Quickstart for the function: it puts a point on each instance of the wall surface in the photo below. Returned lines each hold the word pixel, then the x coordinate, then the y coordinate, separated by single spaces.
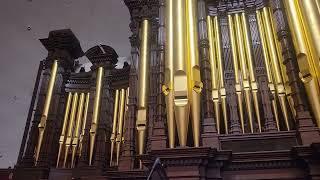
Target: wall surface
pixel 22 23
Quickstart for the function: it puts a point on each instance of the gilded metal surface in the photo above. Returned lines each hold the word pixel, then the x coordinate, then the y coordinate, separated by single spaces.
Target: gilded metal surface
pixel 114 125
pixel 222 90
pixel 243 66
pixel 168 87
pixel 272 49
pixel 214 70
pixel 143 85
pixel 44 116
pixel 96 110
pixel 311 13
pixel 76 131
pixel 254 84
pixel 64 126
pixel 267 66
pixel 195 84
pixel 70 128
pixel 180 73
pixel 303 38
pixel 236 69
pixel 84 121
pixel 121 120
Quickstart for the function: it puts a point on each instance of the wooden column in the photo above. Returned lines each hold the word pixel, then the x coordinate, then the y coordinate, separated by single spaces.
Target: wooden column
pixel 209 135
pixel 158 135
pixel 308 133
pixel 128 148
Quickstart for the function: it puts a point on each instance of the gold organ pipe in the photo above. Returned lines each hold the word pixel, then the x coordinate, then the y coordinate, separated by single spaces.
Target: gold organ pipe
pixel 311 12
pixel 96 109
pixel 64 127
pixel 243 65
pixel 214 72
pixel 195 84
pixel 76 131
pixel 71 124
pixel 84 121
pixel 275 64
pixel 44 116
pixel 223 94
pixel 181 96
pixel 236 70
pixel 282 97
pixel 114 125
pixel 254 84
pixel 267 66
pixel 121 119
pixel 168 87
pixel 143 85
pixel 306 55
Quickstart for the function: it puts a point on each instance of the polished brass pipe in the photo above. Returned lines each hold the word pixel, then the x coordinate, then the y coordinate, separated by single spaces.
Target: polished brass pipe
pixel 267 66
pixel 214 71
pixel 64 126
pixel 70 128
pixel 121 119
pixel 254 84
pixel 282 97
pixel 114 125
pixel 76 131
pixel 195 84
pixel 306 55
pixel 311 13
pixel 180 73
pixel 275 64
pixel 236 70
pixel 143 85
pixel 243 66
pixel 223 94
pixel 96 110
pixel 47 102
pixel 168 84
pixel 84 121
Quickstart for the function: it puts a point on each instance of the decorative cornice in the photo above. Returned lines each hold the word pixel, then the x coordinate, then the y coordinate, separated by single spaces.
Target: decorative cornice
pixel 102 55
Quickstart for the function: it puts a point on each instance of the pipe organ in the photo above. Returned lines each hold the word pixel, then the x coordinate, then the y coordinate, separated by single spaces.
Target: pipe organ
pixel 120 110
pixel 183 82
pixel 218 86
pixel 73 128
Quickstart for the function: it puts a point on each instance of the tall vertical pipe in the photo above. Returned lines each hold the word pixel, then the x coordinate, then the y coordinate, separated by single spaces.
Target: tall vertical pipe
pixel 96 111
pixel 143 85
pixel 70 128
pixel 236 69
pixel 76 131
pixel 254 84
pixel 64 126
pixel 44 116
pixel 214 70
pixel 311 12
pixel 275 64
pixel 267 65
pixel 84 121
pixel 114 125
pixel 223 93
pixel 306 55
pixel 168 87
pixel 195 84
pixel 121 119
pixel 180 74
pixel 244 69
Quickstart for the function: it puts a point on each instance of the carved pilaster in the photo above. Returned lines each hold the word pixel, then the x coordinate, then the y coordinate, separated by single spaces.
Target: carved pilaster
pixel 307 131
pixel 128 149
pixel 158 136
pixel 209 132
